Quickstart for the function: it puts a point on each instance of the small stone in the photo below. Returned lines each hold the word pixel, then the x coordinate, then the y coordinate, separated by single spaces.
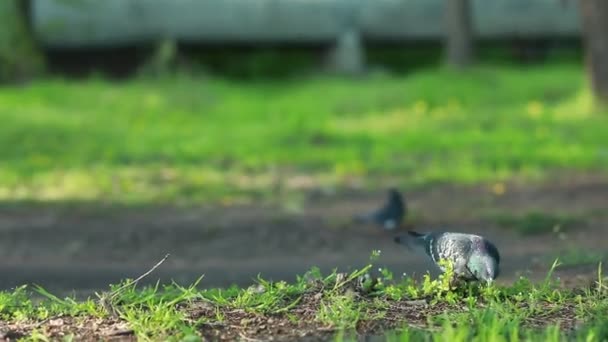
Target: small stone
pixel 56 322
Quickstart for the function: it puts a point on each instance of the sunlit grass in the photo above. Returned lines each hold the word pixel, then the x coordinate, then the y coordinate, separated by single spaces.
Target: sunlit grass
pixel 578 256
pixel 186 139
pixel 317 304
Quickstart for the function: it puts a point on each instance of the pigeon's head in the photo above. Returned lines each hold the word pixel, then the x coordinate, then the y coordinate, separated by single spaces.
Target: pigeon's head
pixel 483 266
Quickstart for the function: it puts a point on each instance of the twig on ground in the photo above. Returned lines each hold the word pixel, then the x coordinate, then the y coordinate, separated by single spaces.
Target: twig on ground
pixel 121 332
pixel 106 300
pixel 134 282
pixel 41 323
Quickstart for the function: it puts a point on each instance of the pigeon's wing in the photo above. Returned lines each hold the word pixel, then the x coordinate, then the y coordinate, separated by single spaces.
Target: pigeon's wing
pixel 453 247
pixel 385 216
pixel 377 216
pixel 389 215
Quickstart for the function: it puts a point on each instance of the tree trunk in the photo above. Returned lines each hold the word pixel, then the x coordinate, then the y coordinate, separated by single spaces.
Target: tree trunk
pixel 20 58
pixel 347 55
pixel 458 33
pixel 594 15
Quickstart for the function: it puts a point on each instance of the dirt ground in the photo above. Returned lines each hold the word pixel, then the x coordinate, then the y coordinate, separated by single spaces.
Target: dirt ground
pixel 82 248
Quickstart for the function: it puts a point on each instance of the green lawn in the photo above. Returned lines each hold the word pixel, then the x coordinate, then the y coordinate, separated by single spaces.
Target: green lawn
pixel 318 306
pixel 184 139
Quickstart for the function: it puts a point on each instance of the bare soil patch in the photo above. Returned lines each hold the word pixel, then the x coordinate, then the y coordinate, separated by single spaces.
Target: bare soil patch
pixel 85 247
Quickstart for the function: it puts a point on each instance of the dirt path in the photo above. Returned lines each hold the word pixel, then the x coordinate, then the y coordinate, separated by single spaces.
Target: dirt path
pixel 85 248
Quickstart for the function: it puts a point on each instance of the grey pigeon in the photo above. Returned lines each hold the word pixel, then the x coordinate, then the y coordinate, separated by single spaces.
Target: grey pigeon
pixel 473 256
pixel 390 215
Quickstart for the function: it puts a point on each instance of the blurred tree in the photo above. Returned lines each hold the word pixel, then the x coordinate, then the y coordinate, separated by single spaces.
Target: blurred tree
pixel 163 60
pixel 594 15
pixel 19 56
pixel 458 33
pixel 347 56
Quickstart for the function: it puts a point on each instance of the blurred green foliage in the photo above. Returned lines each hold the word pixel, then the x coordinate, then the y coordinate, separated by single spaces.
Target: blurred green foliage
pixel 179 138
pixel 278 62
pixel 19 57
pixel 258 63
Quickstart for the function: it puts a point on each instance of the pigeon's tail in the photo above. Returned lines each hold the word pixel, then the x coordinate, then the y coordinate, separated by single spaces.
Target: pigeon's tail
pixel 412 240
pixel 415 234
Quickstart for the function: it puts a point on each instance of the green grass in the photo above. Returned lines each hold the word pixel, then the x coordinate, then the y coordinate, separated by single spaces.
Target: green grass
pixel 579 256
pixel 185 139
pixel 334 304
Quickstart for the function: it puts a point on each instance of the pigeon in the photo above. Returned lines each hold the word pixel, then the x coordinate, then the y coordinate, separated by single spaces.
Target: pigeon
pixel 473 257
pixel 390 215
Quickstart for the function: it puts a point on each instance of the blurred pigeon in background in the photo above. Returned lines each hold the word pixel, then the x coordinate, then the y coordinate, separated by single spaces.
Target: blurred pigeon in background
pixel 473 257
pixel 390 215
